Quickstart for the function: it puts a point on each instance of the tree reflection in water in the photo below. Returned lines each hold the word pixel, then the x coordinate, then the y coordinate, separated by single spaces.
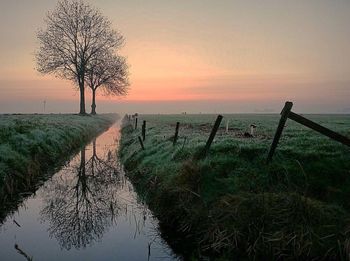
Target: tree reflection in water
pixel 83 202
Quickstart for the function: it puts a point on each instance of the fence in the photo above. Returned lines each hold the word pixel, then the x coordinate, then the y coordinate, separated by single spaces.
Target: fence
pixel 206 147
pixel 285 115
pixel 288 114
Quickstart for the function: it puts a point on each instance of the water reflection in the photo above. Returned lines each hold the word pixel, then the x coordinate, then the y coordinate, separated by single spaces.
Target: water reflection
pixel 89 209
pixel 82 202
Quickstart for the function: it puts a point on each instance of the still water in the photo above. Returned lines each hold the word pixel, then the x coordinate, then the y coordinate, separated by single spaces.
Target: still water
pixel 88 210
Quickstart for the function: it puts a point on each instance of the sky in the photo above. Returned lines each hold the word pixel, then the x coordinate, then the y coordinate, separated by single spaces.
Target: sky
pixel 198 56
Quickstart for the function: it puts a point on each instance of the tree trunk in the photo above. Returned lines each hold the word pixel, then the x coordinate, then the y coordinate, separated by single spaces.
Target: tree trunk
pixel 82 179
pixel 93 103
pixel 82 97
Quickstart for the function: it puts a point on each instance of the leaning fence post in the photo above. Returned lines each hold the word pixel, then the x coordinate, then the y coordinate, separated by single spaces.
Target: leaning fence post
pixel 141 143
pixel 284 116
pixel 176 133
pixel 144 130
pixel 212 135
pixel 135 123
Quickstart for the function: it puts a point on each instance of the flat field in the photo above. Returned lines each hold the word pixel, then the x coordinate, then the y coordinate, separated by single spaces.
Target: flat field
pixel 233 203
pixel 23 137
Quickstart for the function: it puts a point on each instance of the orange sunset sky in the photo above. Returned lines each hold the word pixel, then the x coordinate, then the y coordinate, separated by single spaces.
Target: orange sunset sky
pixel 196 56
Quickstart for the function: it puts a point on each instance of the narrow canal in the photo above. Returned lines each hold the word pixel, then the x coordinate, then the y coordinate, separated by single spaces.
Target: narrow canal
pixel 88 210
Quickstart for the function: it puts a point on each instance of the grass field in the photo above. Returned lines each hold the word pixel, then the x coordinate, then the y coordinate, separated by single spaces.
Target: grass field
pixel 31 144
pixel 232 203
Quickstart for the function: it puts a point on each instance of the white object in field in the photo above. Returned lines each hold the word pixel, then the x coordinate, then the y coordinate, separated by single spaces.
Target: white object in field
pixel 227 122
pixel 252 129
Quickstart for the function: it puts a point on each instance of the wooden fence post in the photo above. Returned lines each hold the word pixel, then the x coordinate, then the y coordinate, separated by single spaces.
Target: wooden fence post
pixel 176 133
pixel 317 127
pixel 144 130
pixel 135 123
pixel 183 144
pixel 284 116
pixel 212 135
pixel 141 143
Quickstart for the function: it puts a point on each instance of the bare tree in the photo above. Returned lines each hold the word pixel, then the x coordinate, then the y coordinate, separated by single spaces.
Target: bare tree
pixel 110 72
pixel 74 34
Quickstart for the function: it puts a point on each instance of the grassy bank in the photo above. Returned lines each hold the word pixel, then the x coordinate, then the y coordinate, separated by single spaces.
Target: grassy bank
pixel 231 204
pixel 33 144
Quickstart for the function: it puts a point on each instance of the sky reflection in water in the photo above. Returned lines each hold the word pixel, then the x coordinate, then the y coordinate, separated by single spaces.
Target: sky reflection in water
pixel 87 210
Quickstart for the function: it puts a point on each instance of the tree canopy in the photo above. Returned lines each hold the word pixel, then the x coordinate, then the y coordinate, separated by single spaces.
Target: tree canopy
pixel 109 72
pixel 75 33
